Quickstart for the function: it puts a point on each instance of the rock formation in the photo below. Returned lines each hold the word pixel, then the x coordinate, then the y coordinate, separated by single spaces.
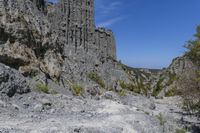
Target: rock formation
pixel 12 82
pixel 50 52
pixel 60 40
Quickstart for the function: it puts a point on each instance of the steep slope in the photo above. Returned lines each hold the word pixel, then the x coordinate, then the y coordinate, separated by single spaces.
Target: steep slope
pixel 167 80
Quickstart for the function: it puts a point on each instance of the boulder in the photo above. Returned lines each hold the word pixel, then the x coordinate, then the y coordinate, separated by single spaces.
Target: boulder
pixel 12 82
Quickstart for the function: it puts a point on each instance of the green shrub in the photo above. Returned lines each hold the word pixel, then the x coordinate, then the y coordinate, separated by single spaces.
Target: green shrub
pixel 198 76
pixel 180 131
pixel 189 81
pixel 42 87
pixel 147 113
pixel 122 93
pixel 130 87
pixel 135 89
pixel 172 92
pixel 77 90
pixel 96 78
pixel 123 84
pixel 193 47
pixel 172 78
pixel 158 88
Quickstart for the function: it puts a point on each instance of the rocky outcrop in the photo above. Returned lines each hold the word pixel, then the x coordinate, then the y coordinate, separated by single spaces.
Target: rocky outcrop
pixel 167 78
pixel 106 42
pixel 12 82
pixel 26 39
pixel 60 40
pixel 180 64
pixel 86 49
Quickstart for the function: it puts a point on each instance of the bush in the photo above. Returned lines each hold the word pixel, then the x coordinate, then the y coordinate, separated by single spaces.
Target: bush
pixel 193 47
pixel 122 93
pixel 190 92
pixel 190 79
pixel 123 84
pixel 180 131
pixel 172 92
pixel 172 78
pixel 158 88
pixel 147 113
pixel 42 87
pixel 96 78
pixel 77 90
pixel 130 87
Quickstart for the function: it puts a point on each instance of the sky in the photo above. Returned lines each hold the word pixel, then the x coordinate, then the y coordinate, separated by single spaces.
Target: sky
pixel 149 33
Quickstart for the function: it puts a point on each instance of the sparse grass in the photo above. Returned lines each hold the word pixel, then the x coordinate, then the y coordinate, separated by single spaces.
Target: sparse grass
pixel 180 131
pixel 123 84
pixel 130 87
pixel 42 88
pixel 161 119
pixel 172 92
pixel 147 113
pixel 77 90
pixel 122 93
pixel 96 78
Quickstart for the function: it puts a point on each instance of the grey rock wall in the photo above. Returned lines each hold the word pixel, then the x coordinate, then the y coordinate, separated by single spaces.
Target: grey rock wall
pixel 86 48
pixel 59 40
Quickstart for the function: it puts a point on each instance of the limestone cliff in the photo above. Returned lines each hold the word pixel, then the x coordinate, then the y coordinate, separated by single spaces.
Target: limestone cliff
pixel 59 40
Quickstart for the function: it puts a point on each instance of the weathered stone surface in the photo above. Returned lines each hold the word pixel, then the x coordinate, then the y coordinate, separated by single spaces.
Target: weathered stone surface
pixel 62 113
pixel 180 64
pixel 26 37
pixel 60 39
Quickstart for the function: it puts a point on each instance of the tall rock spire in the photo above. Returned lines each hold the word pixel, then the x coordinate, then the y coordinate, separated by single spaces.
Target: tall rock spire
pixel 80 21
pixel 80 28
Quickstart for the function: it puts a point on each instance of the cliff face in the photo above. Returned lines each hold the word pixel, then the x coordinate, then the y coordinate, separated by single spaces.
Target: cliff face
pixel 75 23
pixel 86 48
pixel 59 40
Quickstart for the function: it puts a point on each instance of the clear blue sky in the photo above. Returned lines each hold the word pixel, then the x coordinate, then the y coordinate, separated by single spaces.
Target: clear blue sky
pixel 149 33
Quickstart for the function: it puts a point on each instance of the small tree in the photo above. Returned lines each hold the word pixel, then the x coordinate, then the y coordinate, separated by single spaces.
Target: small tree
pixel 190 91
pixel 190 80
pixel 193 47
